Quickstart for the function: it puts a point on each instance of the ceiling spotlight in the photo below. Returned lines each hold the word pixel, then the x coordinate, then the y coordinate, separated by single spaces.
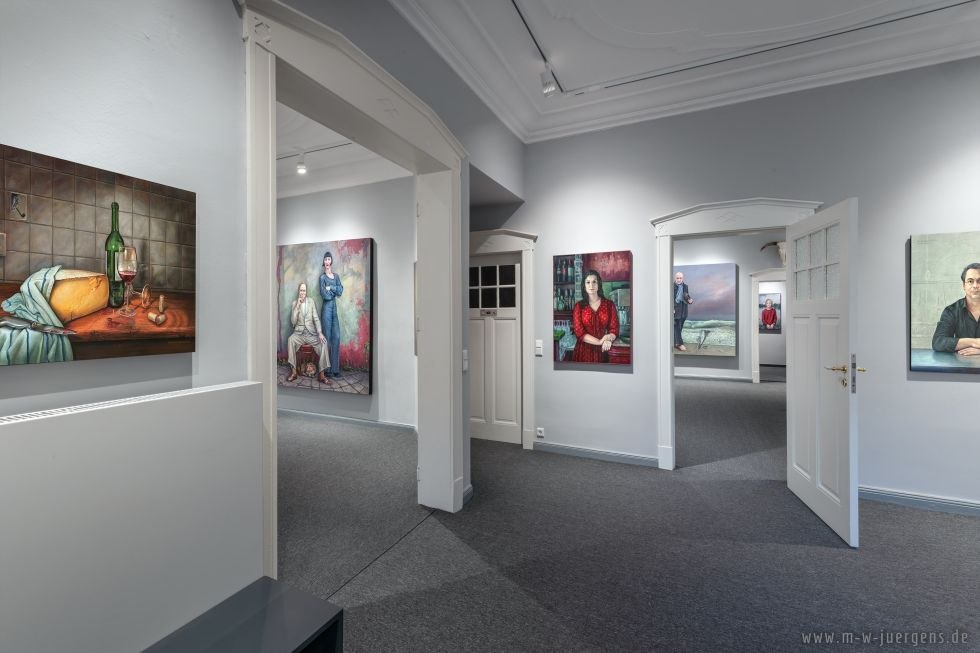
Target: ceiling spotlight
pixel 548 84
pixel 301 166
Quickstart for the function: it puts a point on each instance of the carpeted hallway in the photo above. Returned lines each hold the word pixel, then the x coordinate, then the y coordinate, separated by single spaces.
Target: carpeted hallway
pixel 555 553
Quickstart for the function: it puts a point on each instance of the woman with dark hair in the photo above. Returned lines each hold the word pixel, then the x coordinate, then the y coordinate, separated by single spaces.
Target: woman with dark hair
pixel 594 322
pixel 330 289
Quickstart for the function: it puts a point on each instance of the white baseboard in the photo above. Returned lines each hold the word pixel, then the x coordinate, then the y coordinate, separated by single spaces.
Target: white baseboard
pixel 922 501
pixel 596 454
pixel 356 420
pixel 710 377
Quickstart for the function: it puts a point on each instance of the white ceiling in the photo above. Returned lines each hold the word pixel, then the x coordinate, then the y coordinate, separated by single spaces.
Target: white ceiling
pixel 332 161
pixel 623 61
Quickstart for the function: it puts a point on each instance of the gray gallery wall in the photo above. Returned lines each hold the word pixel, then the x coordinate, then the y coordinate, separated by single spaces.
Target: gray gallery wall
pixel 156 95
pixel 383 211
pixel 744 252
pixel 907 145
pixel 156 91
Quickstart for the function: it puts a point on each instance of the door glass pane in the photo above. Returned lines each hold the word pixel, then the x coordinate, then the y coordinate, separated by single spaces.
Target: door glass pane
pixel 474 298
pixel 833 243
pixel 508 297
pixel 803 253
pixel 818 247
pixel 818 283
pixel 803 285
pixel 488 297
pixel 488 275
pixel 508 275
pixel 833 281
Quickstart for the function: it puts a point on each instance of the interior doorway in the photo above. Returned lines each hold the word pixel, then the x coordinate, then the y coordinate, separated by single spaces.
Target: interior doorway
pixel 318 72
pixel 768 341
pixel 720 418
pixel 495 347
pixel 701 220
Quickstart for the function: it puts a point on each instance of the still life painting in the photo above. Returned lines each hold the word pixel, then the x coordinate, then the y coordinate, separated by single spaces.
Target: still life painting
pixel 98 264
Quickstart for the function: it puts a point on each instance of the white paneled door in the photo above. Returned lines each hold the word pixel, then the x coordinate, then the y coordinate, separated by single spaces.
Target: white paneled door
pixel 822 435
pixel 495 347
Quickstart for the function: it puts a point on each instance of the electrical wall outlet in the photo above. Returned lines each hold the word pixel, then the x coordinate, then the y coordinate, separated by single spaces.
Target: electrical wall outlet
pixel 539 432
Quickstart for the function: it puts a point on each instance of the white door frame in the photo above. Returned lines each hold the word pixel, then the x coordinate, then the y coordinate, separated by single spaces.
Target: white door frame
pixel 327 77
pixel 715 218
pixel 503 241
pixel 772 274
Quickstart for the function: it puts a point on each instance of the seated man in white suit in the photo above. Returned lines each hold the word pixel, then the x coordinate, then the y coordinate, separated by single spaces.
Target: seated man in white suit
pixel 307 331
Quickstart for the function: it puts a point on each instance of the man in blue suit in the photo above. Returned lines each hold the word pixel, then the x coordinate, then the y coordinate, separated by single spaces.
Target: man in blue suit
pixel 682 299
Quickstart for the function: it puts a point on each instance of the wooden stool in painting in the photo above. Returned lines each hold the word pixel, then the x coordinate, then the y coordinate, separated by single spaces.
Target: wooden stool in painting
pixel 306 360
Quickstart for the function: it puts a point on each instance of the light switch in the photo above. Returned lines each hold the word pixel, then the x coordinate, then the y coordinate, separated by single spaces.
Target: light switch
pixel 3 244
pixel 539 348
pixel 466 360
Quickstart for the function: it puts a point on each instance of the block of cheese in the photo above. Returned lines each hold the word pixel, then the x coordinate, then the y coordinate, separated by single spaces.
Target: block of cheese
pixel 77 293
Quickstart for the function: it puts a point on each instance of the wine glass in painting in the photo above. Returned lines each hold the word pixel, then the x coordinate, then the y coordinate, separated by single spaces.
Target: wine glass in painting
pixel 126 266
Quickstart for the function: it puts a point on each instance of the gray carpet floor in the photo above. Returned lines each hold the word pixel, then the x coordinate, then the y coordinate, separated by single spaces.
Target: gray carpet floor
pixel 556 553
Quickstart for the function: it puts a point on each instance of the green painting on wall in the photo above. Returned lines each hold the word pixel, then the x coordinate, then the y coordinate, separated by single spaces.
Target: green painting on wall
pixel 944 298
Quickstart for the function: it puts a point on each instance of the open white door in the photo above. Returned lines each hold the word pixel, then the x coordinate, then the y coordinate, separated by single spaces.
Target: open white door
pixel 821 446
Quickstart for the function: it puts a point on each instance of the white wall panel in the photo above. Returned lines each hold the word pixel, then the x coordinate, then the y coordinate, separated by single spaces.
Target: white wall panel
pixel 907 145
pixel 157 92
pixel 124 521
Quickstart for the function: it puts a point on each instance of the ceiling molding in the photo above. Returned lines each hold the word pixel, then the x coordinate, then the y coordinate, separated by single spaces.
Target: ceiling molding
pixel 445 48
pixel 452 30
pixel 734 216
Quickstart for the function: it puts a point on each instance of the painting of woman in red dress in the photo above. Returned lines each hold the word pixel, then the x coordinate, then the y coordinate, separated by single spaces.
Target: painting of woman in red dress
pixel 594 322
pixel 769 315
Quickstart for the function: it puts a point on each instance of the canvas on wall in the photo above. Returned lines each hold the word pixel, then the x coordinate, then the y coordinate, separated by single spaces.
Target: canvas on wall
pixel 944 298
pixel 325 315
pixel 705 301
pixel 592 308
pixel 98 264
pixel 770 312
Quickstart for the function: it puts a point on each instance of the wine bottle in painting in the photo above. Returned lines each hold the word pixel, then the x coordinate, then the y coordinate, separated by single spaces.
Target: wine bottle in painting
pixel 113 246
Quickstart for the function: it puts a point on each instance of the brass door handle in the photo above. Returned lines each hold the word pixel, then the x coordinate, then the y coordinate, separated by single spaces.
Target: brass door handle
pixel 861 369
pixel 839 368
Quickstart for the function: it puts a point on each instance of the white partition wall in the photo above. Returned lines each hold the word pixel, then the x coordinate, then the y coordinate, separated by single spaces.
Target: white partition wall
pixel 124 520
pixel 319 73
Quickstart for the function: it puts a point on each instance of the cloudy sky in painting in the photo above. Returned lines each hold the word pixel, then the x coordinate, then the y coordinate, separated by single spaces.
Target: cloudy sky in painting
pixel 713 288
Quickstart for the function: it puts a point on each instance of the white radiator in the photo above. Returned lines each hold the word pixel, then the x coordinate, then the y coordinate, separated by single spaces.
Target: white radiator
pixel 122 520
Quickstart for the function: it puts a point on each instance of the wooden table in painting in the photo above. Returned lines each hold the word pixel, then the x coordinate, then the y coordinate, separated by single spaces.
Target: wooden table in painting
pixel 104 335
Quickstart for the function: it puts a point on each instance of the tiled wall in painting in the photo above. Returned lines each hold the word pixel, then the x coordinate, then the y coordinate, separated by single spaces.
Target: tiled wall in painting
pixel 68 217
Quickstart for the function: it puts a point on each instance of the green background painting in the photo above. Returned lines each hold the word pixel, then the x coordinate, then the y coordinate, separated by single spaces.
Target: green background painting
pixel 937 260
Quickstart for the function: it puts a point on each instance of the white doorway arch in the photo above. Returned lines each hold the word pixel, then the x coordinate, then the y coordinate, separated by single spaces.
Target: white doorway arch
pixel 772 274
pixel 317 71
pixel 500 241
pixel 716 218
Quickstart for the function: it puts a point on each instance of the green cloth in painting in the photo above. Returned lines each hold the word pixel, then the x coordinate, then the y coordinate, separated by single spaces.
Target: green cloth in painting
pixel 20 346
